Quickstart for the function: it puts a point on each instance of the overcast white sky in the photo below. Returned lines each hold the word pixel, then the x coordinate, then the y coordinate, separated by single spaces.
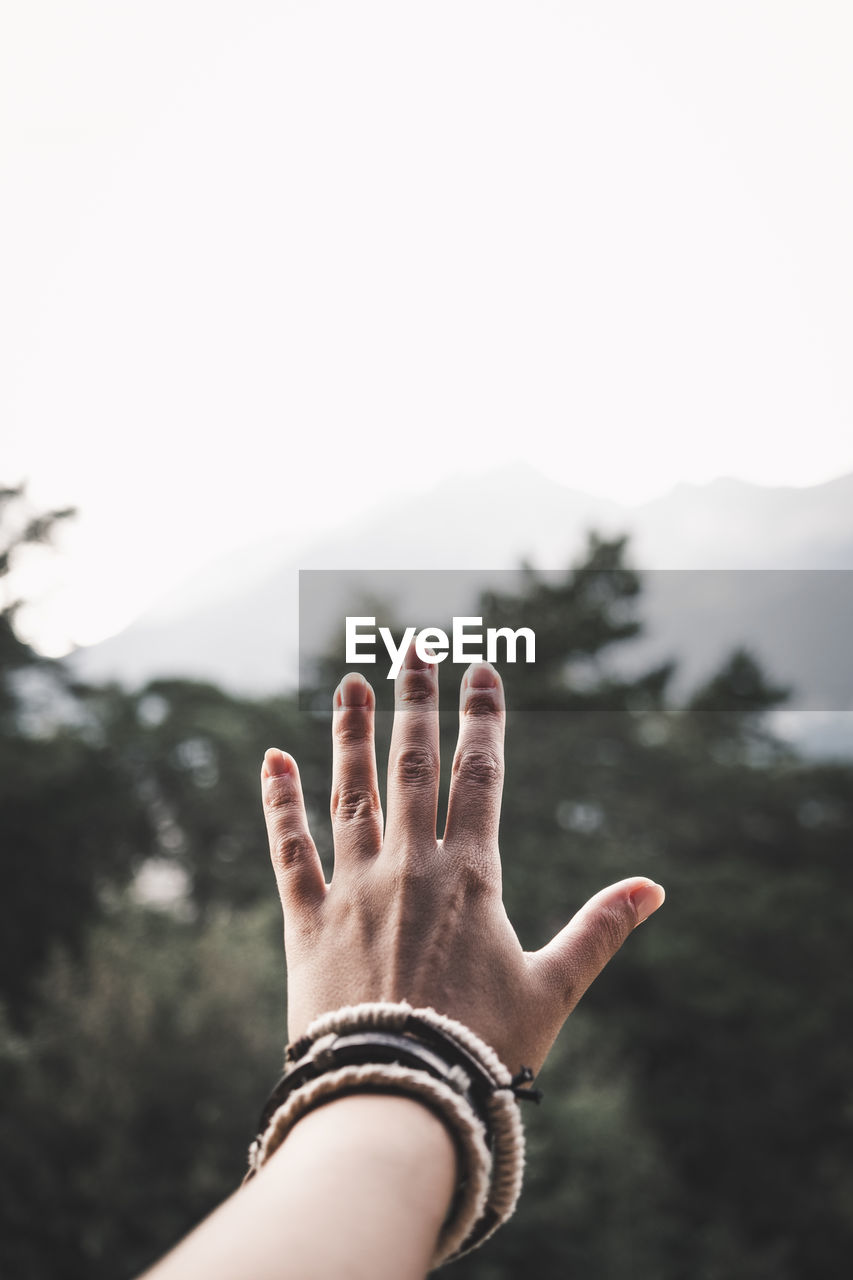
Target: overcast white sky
pixel 263 261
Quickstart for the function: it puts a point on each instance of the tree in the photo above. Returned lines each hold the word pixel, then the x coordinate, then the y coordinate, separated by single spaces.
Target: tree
pixel 71 825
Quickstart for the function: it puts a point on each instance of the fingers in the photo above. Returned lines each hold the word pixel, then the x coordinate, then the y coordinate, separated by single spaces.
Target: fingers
pixel 355 807
pixel 298 871
pixel 476 784
pixel 578 953
pixel 413 767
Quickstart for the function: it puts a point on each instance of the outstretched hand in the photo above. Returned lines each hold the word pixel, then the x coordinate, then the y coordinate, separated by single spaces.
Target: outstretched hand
pixel 408 916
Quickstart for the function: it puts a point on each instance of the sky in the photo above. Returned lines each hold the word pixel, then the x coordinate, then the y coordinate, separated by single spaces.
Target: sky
pixel 264 264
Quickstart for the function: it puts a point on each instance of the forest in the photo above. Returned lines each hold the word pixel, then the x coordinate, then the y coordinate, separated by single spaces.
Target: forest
pixel 698 1105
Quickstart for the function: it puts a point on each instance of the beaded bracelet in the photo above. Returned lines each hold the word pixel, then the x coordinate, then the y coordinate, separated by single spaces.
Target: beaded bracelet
pixel 385 1047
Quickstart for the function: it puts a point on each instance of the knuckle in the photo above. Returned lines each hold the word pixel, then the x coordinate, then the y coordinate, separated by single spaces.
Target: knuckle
pixel 478 878
pixel 415 766
pixel 280 794
pixel 478 765
pixel 354 804
pixel 612 927
pixel 415 884
pixel 353 730
pixel 289 848
pixel 416 688
pixel 410 873
pixel 482 702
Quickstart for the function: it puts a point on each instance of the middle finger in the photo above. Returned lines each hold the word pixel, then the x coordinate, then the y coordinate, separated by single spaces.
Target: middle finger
pixel 413 770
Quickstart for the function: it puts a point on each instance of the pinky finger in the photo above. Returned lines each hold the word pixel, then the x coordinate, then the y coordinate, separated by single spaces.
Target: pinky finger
pixel 298 871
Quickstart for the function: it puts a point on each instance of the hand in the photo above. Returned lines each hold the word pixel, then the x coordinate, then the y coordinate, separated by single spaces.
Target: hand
pixel 408 916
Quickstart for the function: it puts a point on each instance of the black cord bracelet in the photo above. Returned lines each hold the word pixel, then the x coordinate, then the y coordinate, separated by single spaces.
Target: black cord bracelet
pixel 394 1049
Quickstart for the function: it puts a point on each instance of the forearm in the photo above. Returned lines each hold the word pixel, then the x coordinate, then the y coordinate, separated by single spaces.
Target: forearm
pixel 358 1191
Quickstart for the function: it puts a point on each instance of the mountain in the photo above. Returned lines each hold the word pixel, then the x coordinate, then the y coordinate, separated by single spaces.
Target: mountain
pixel 729 524
pixel 236 622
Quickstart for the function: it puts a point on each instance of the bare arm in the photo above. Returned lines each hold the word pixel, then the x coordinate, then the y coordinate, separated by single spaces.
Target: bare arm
pixel 358 1192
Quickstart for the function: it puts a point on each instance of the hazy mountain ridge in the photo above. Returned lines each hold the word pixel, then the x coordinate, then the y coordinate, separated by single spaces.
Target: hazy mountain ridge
pixel 236 623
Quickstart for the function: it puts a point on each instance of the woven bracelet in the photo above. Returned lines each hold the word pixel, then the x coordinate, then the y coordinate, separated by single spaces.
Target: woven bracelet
pixel 394 1048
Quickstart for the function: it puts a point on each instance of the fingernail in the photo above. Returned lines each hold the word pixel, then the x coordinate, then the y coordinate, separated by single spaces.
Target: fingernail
pixel 354 690
pixel 276 763
pixel 647 899
pixel 482 676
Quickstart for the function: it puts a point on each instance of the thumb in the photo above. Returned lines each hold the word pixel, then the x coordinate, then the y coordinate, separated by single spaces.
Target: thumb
pixel 572 960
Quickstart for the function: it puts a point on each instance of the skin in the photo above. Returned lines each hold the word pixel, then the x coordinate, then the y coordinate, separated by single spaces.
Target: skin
pixel 406 916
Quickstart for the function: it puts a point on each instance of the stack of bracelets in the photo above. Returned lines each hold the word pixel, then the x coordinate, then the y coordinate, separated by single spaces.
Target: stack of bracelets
pixel 418 1053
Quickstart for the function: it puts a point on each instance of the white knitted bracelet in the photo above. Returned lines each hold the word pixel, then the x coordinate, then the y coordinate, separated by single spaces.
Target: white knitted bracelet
pixel 491 1154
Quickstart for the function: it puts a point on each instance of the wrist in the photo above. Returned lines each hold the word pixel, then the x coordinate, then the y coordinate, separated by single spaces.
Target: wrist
pixel 390 1048
pixel 404 1131
pixel 389 1166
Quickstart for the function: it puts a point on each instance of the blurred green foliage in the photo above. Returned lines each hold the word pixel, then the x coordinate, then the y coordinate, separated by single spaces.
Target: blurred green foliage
pixel 699 1106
